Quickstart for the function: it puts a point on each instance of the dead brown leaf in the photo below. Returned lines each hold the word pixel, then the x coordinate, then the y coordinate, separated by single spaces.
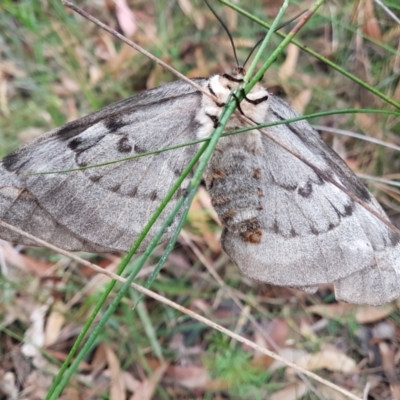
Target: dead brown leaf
pixel 71 393
pixel 368 125
pixel 147 387
pixel 117 388
pixel 28 134
pixel 130 382
pixel 331 360
pixel 24 263
pixel 362 314
pixel 8 384
pixel 205 201
pixel 126 17
pixel 371 24
pixel 300 102
pixel 202 67
pixel 189 376
pixel 94 283
pixel 388 363
pixel 36 386
pixel 293 391
pixel 200 220
pixel 34 336
pixel 67 87
pixel 369 314
pixel 188 10
pixel 99 360
pixel 278 332
pixel 329 393
pixel 288 354
pixel 11 69
pixel 383 331
pixel 54 323
pixel 332 311
pixel 289 66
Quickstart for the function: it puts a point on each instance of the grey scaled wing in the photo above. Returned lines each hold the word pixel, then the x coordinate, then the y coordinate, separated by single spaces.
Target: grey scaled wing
pixel 104 208
pixel 311 232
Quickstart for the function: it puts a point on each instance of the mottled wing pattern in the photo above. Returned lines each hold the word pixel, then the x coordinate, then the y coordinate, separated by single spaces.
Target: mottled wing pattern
pixel 104 208
pixel 284 223
pixel 303 230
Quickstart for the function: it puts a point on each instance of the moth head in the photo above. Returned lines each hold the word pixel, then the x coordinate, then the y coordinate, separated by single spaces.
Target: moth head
pixel 238 72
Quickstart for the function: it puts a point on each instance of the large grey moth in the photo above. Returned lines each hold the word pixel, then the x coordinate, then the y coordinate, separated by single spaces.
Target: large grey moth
pixel 284 223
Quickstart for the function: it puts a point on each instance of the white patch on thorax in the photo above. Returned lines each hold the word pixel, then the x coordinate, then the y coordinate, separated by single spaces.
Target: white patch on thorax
pixel 221 87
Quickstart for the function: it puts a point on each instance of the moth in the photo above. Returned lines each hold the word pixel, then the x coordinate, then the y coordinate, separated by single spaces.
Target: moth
pixel 284 224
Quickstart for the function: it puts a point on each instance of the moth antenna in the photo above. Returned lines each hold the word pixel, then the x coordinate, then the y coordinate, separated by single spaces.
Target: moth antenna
pixel 252 51
pixel 277 29
pixel 283 24
pixel 226 30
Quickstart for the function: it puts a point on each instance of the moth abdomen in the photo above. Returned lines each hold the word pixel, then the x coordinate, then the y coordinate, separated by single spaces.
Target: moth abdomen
pixel 233 180
pixel 239 211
